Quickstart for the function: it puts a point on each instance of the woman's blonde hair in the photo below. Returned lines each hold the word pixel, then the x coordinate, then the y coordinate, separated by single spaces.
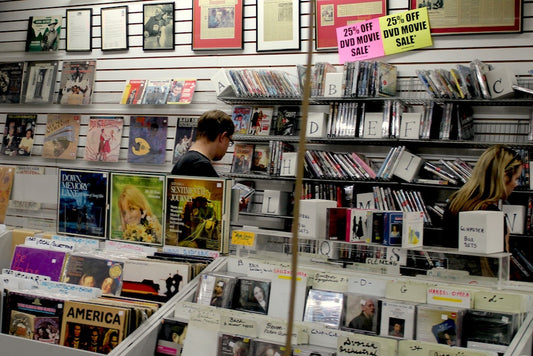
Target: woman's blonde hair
pixel 131 195
pixel 487 184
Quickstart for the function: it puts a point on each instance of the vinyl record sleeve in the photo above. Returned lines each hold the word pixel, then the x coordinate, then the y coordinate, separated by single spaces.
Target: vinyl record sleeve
pixel 147 139
pixel 185 136
pixel 43 33
pixel 11 82
pixel 77 82
pixel 39 82
pixel 61 136
pixel 39 261
pixel 19 133
pixel 103 138
pixel 137 208
pixel 82 208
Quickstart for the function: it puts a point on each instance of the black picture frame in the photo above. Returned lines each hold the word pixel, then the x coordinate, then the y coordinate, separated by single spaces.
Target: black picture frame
pixel 114 22
pixel 158 26
pixel 79 38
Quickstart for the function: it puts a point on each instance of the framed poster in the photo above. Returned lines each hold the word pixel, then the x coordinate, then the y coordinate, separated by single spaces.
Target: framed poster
pixel 217 24
pixel 114 28
pixel 79 30
pixel 158 26
pixel 331 14
pixel 278 25
pixel 463 16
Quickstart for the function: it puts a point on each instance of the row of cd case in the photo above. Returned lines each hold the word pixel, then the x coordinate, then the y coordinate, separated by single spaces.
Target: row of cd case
pixel 234 292
pixel 372 315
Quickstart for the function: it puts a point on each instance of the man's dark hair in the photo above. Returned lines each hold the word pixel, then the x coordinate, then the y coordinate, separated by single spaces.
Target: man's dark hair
pixel 215 122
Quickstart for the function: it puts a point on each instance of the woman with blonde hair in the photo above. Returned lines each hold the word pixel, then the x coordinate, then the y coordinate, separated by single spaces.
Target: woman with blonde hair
pixel 136 216
pixel 493 179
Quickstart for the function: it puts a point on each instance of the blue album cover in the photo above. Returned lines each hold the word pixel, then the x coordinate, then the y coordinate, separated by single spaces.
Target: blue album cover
pixel 82 203
pixel 148 139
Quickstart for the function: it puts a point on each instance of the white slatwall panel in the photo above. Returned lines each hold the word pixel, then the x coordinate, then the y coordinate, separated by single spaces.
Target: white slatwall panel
pixel 115 68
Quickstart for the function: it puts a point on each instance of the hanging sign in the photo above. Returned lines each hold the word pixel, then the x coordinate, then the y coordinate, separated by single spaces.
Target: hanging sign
pixel 385 35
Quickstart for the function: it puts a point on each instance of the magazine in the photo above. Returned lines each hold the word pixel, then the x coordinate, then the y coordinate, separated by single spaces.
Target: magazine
pixel 133 91
pixel 147 139
pixel 181 91
pixel 156 92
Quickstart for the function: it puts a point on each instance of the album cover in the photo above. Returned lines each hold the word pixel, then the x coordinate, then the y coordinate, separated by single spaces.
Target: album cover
pixel 324 307
pixel 137 206
pixel 357 225
pixel 133 91
pixel 93 271
pixel 181 91
pixel 241 119
pixel 185 136
pixel 21 324
pixel 488 327
pixel 263 347
pixel 11 82
pixel 215 290
pixel 18 134
pixel 103 138
pixel 362 313
pixel 47 329
pixel 43 33
pixel 170 337
pixel 82 320
pixel 197 212
pixel 261 120
pixel 61 136
pixel 156 92
pixel 397 319
pixel 439 324
pixel 148 139
pixel 231 345
pixel 252 295
pixel 77 81
pixel 38 305
pixel 39 82
pixel 82 203
pixel 242 158
pixel 7 175
pixel 154 280
pixel 39 261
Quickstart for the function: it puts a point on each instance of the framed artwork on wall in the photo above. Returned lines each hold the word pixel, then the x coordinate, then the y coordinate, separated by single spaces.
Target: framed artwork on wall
pixel 217 24
pixel 330 14
pixel 79 30
pixel 158 26
pixel 278 25
pixel 114 28
pixel 464 16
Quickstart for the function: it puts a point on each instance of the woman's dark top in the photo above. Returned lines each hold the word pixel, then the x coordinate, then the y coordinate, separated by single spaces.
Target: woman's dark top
pixel 193 163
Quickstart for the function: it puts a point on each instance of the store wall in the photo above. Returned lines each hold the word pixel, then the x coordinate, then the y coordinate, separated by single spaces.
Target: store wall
pixel 116 67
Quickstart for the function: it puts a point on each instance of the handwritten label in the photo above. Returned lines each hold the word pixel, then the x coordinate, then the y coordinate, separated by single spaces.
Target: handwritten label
pixel 134 248
pixel 323 336
pixel 330 281
pixel 500 302
pixel 414 347
pixel 276 330
pixel 24 205
pixel 72 289
pixel 239 324
pixel 449 297
pixel 385 35
pixel 187 251
pixel 368 285
pixel 359 344
pixel 49 244
pixel 393 266
pixel 242 238
pixel 186 309
pixel 31 276
pixel 80 243
pixel 206 318
pixel 407 291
